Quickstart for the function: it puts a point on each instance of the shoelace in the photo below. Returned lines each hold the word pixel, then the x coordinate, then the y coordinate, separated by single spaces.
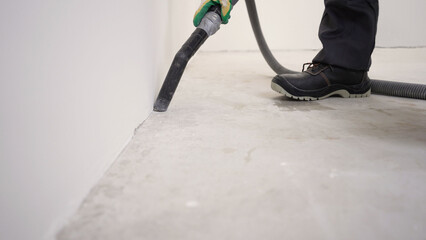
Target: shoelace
pixel 315 66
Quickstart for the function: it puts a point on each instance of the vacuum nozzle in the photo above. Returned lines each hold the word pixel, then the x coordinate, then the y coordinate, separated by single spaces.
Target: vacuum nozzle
pixel 208 26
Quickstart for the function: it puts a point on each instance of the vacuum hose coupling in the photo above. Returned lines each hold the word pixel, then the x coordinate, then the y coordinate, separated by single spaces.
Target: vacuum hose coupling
pixel 210 23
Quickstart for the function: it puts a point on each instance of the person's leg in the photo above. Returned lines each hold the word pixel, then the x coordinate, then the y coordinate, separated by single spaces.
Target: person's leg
pixel 348 33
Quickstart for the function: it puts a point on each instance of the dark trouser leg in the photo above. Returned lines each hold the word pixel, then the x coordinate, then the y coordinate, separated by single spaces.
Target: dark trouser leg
pixel 348 32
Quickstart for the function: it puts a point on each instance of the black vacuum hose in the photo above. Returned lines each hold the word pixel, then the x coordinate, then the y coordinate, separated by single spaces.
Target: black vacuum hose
pixel 208 26
pixel 397 89
pixel 263 46
pixel 178 67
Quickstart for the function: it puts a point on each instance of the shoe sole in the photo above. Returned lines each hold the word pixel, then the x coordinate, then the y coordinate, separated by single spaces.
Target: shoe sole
pixel 342 92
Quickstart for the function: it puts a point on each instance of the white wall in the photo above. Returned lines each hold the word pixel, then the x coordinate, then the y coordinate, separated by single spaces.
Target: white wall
pixel 76 78
pixel 401 23
pixel 294 24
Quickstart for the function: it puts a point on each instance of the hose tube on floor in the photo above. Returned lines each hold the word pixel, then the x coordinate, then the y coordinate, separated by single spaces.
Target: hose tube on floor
pixel 397 89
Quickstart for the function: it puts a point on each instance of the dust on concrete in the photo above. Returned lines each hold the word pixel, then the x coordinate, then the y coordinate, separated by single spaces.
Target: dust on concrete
pixel 248 158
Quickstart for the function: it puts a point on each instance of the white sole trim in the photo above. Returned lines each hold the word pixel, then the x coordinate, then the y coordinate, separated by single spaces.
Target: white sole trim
pixel 343 93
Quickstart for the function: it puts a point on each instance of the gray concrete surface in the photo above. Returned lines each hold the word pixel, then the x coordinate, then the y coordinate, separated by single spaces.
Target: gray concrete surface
pixel 232 159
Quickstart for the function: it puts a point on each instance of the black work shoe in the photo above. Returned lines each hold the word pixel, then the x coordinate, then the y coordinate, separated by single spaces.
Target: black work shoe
pixel 320 81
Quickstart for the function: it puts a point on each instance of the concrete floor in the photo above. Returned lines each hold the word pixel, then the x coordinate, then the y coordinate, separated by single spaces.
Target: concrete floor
pixel 232 159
